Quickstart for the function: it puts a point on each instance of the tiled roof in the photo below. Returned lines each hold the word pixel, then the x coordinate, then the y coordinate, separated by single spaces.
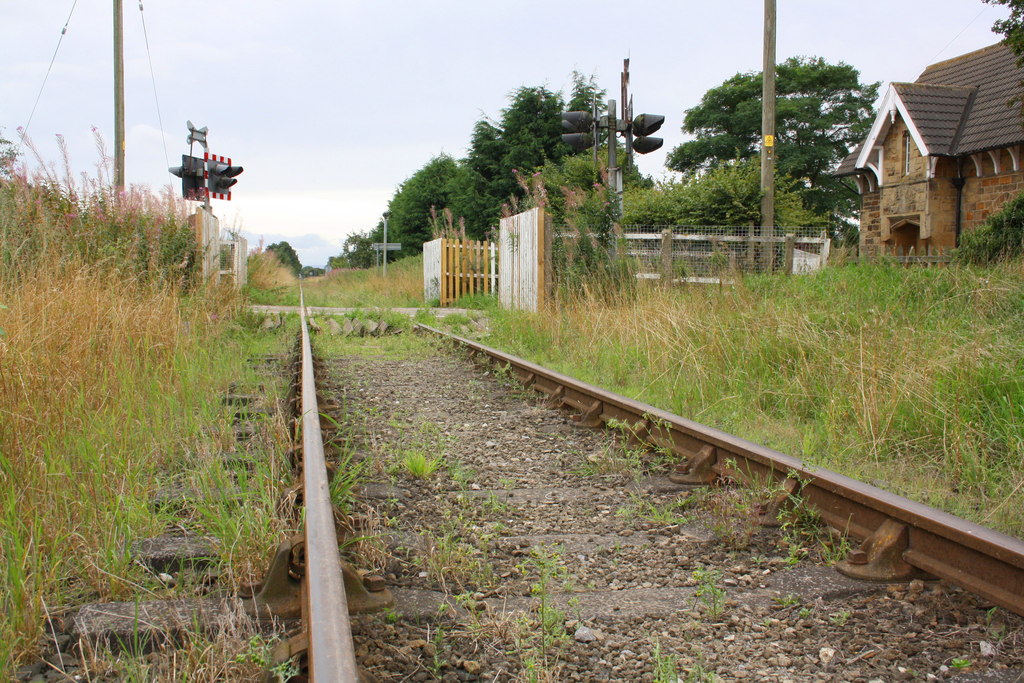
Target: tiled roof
pixel 848 166
pixel 937 111
pixel 992 120
pixel 963 105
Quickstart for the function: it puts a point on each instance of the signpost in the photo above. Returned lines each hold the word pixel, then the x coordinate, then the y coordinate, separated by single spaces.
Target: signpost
pixel 385 247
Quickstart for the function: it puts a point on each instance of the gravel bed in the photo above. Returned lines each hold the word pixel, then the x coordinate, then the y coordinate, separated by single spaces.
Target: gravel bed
pixel 540 550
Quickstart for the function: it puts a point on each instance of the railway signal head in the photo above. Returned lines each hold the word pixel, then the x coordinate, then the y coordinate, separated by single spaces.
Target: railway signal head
pixel 578 129
pixel 193 179
pixel 643 126
pixel 220 176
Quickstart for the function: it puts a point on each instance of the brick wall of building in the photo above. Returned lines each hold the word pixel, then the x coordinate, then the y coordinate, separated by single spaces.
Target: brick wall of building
pixel 913 198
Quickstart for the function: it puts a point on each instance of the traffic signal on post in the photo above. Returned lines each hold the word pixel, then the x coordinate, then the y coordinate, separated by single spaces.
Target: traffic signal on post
pixel 220 176
pixel 643 126
pixel 193 178
pixel 578 129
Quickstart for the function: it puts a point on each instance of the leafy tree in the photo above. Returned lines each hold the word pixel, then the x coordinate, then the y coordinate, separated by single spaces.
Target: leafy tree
pixel 728 195
pixel 311 271
pixel 528 134
pixel 286 255
pixel 822 112
pixel 410 207
pixel 585 92
pixel 357 251
pixel 1012 27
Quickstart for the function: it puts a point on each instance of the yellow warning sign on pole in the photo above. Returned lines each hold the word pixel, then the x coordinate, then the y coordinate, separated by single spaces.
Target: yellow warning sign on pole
pixel 769 140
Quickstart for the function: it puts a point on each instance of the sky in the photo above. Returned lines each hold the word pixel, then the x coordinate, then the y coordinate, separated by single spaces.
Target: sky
pixel 329 106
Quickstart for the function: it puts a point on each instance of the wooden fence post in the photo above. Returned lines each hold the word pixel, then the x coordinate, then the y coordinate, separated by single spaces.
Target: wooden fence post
pixel 788 260
pixel 666 256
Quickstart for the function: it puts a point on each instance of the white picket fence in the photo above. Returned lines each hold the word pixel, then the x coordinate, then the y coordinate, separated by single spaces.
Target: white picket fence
pixel 524 271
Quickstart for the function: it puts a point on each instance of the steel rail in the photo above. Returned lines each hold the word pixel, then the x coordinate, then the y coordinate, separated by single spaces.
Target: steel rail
pixel 922 539
pixel 331 651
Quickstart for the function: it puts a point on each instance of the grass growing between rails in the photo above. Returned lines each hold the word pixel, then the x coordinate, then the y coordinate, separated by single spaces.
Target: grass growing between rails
pixel 912 379
pixel 345 288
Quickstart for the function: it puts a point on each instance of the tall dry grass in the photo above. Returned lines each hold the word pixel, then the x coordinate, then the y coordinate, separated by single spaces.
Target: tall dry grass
pixel 348 287
pixel 103 366
pixel 908 378
pixel 266 272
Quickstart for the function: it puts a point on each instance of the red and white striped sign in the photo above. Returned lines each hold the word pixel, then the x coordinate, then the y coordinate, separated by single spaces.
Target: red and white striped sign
pixel 206 174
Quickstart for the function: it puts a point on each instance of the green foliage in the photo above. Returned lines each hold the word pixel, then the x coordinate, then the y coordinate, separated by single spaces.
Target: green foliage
pixel 311 271
pixel 585 92
pixel 410 208
pixel 1000 237
pixel 8 153
pixel 822 111
pixel 1013 26
pixel 136 232
pixel 727 195
pixel 528 134
pixel 357 250
pixel 287 256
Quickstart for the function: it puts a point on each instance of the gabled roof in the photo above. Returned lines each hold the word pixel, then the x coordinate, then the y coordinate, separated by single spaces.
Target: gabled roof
pixel 955 108
pixel 992 121
pixel 937 112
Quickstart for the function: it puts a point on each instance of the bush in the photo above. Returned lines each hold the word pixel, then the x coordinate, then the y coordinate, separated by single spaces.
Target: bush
pixel 1000 237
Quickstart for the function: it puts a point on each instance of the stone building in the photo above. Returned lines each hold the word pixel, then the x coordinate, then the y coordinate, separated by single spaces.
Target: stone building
pixel 944 152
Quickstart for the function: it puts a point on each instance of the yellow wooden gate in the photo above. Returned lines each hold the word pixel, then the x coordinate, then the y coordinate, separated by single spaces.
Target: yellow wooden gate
pixel 467 267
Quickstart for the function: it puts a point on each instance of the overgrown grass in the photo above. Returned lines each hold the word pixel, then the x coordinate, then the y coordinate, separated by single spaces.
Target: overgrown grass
pixel 112 363
pixel 104 380
pixel 348 288
pixel 908 378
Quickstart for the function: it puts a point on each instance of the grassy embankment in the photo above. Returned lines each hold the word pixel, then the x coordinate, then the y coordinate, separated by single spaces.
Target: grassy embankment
pixel 911 379
pixel 110 382
pixel 348 288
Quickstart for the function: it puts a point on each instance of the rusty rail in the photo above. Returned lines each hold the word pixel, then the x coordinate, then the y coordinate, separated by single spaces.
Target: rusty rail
pixel 902 539
pixel 331 652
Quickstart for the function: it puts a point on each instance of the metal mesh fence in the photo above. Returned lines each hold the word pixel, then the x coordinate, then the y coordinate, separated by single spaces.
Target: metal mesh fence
pixel 696 253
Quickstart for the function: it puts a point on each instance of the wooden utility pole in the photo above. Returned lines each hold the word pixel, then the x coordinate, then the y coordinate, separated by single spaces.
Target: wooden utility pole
pixel 768 131
pixel 118 96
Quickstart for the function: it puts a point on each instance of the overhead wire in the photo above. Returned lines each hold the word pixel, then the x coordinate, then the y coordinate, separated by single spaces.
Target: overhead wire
pixel 953 39
pixel 63 31
pixel 156 97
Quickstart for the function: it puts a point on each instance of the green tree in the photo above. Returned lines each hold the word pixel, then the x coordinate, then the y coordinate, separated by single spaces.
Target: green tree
pixel 528 134
pixel 584 92
pixel 1012 27
pixel 822 112
pixel 427 188
pixel 357 250
pixel 728 195
pixel 286 255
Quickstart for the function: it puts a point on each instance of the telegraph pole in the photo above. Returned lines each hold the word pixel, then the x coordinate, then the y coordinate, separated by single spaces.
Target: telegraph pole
pixel 118 96
pixel 768 130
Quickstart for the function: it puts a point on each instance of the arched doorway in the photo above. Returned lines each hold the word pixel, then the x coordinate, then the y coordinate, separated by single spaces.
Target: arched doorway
pixel 905 235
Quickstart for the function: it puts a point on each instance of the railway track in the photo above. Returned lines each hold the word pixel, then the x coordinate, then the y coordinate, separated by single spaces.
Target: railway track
pixel 900 539
pixel 519 543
